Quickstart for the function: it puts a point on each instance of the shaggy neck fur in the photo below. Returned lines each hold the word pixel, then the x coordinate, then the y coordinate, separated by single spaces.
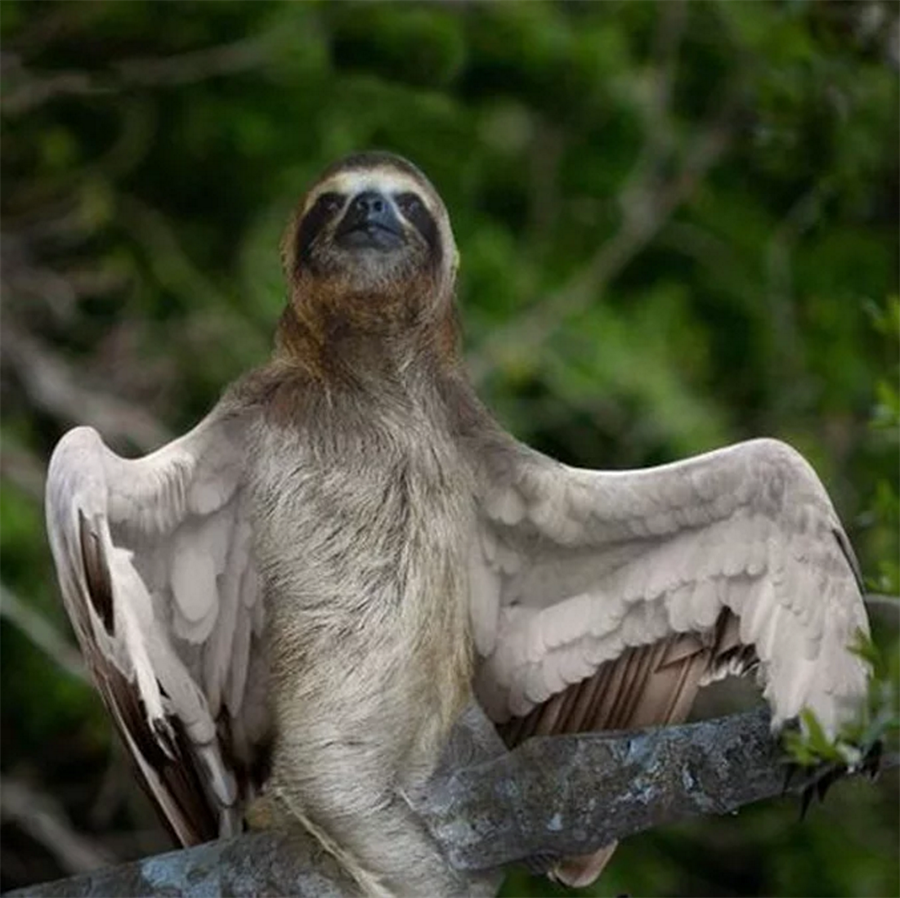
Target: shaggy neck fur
pixel 366 336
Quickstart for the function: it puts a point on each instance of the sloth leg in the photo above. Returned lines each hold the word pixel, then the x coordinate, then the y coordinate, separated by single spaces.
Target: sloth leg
pixel 342 796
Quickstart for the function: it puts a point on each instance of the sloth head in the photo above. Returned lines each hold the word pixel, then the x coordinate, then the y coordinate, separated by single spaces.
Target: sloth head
pixel 371 246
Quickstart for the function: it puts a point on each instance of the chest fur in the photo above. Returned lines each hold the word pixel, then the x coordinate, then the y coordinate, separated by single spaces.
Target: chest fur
pixel 363 514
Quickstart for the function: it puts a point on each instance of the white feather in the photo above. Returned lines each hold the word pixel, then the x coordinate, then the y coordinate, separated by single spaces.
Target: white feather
pixel 171 532
pixel 627 558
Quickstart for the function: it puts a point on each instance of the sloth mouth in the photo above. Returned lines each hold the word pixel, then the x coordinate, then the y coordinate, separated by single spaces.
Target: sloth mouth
pixel 369 235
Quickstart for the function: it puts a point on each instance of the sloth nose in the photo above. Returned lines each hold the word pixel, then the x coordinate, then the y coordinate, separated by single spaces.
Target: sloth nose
pixel 370 220
pixel 368 206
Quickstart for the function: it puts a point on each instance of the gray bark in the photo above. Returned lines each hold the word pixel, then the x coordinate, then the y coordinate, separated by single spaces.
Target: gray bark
pixel 550 797
pixel 254 864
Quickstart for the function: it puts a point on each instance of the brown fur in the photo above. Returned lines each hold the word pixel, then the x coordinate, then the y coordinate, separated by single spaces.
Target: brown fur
pixel 363 508
pixel 405 301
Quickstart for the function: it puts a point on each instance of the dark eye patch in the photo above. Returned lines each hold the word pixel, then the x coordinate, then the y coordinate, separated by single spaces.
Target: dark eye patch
pixel 331 202
pixel 322 211
pixel 416 213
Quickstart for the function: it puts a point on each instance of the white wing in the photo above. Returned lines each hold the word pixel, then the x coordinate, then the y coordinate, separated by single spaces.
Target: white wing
pixel 154 558
pixel 734 557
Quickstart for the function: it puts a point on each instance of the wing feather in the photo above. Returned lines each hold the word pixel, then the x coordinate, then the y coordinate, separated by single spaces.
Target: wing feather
pixel 577 567
pixel 154 558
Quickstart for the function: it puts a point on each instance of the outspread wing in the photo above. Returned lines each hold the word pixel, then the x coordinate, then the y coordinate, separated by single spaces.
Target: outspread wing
pixel 590 589
pixel 604 600
pixel 154 558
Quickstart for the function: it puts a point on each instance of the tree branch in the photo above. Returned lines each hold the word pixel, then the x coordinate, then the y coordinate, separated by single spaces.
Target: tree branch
pixel 44 820
pixel 565 795
pixel 32 88
pixel 42 633
pixel 254 864
pixel 647 207
pixel 52 385
pixel 551 796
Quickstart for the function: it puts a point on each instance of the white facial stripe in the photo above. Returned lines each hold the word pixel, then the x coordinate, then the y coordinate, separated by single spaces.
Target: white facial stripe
pixel 384 180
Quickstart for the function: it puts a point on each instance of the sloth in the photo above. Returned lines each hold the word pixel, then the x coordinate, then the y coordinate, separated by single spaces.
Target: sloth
pixel 288 607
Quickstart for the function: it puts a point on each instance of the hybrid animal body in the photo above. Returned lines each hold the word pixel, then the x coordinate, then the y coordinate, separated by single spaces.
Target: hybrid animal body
pixel 296 599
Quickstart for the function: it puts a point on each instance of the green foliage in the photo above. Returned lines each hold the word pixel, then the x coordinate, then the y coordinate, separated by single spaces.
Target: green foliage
pixel 677 224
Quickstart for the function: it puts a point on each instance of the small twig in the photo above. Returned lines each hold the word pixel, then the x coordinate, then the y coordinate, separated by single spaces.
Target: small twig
pixel 35 88
pixel 53 386
pixel 882 601
pixel 883 608
pixel 779 294
pixel 198 65
pixel 660 135
pixel 43 634
pixel 44 820
pixel 647 210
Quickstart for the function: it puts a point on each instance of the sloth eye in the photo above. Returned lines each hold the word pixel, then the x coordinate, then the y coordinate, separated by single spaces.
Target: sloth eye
pixel 409 204
pixel 417 214
pixel 330 202
pixel 325 208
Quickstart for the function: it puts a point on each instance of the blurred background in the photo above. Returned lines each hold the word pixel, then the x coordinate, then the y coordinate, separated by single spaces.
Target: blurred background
pixel 678 229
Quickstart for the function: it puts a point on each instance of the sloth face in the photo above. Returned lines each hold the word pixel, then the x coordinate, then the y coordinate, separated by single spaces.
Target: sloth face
pixel 372 225
pixel 366 221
